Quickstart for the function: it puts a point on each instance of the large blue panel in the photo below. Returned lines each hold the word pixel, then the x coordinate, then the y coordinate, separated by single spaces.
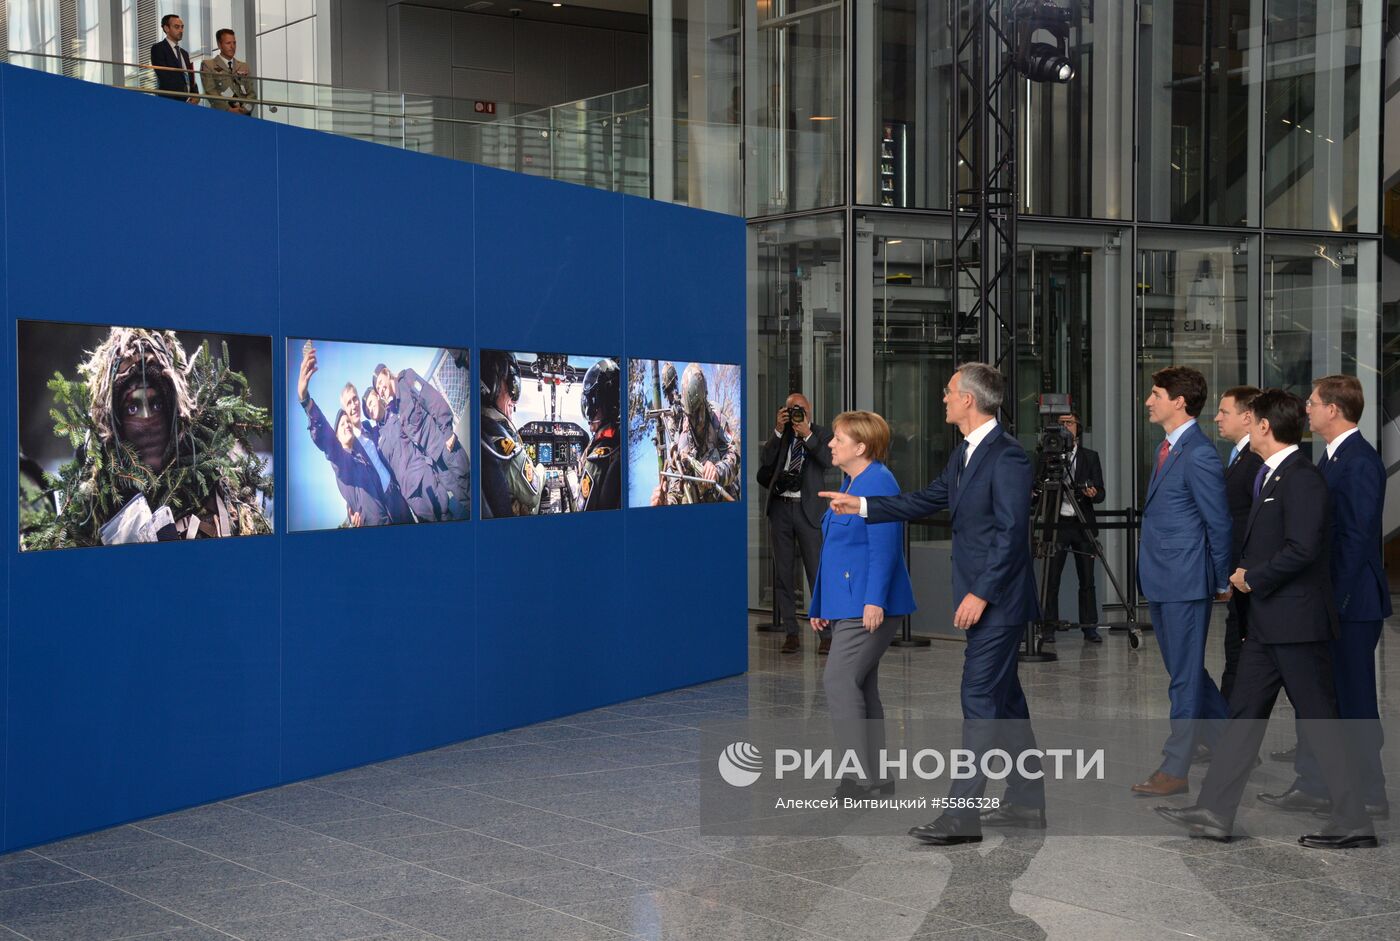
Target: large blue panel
pixel 9 441
pixel 378 642
pixel 141 678
pixel 549 589
pixel 687 599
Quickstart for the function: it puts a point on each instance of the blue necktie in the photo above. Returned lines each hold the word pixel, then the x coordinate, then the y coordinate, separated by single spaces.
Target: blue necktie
pixel 1234 456
pixel 1259 480
pixel 959 455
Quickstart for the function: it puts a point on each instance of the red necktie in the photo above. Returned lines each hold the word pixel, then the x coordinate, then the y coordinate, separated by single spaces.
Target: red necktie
pixel 1162 453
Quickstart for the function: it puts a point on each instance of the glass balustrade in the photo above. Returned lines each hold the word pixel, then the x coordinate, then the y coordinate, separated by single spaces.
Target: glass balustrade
pixel 602 142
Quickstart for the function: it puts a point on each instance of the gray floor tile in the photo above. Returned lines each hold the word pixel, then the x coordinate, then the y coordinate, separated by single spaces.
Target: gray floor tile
pixel 114 838
pixel 319 861
pixel 443 912
pixel 337 922
pixel 676 916
pixel 388 826
pixel 100 924
pixel 160 884
pixel 365 885
pixel 578 884
pixel 619 849
pixel 1315 900
pixel 226 906
pixel 514 862
pixel 31 871
pixel 437 845
pixel 541 828
pixel 141 857
pixel 688 872
pixel 53 899
pixel 532 926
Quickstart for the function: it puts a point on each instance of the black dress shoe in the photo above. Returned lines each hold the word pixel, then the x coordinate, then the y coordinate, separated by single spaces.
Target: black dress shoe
pixel 1362 839
pixel 1296 801
pixel 791 644
pixel 1202 823
pixel 1091 635
pixel 1014 815
pixel 1286 756
pixel 948 831
pixel 850 787
pixel 1201 755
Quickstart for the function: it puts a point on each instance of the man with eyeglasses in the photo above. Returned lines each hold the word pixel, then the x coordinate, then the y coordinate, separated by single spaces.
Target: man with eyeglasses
pixel 1355 476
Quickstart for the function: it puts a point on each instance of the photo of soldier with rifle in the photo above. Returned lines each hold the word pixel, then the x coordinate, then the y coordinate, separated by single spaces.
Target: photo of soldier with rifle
pixel 695 435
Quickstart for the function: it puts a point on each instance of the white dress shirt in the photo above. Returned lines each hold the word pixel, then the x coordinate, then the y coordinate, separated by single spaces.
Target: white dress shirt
pixel 1336 442
pixel 1273 462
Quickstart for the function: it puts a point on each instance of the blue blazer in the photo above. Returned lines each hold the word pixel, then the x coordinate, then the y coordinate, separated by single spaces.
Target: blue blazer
pixel 862 563
pixel 1187 533
pixel 990 506
pixel 1355 478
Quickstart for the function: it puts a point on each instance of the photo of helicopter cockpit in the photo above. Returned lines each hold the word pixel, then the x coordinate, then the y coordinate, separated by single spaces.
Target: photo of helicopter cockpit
pixel 550 437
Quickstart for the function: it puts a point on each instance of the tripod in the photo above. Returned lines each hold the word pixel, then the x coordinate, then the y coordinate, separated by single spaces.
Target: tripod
pixel 1055 486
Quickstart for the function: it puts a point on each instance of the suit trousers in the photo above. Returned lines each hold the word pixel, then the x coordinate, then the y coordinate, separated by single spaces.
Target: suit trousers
pixel 1236 623
pixel 1071 537
pixel 786 524
pixel 1180 628
pixel 1354 676
pixel 995 715
pixel 1305 671
pixel 852 684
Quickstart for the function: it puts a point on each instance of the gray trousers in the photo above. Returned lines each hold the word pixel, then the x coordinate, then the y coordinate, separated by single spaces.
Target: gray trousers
pixel 852 684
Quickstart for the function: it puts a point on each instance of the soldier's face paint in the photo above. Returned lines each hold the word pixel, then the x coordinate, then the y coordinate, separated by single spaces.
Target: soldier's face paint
pixel 145 423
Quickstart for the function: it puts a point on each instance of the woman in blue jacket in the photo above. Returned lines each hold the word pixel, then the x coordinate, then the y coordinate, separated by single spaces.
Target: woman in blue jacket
pixel 862 585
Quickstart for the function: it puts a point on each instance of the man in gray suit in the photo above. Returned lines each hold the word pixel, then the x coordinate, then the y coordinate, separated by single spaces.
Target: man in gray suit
pixel 797 457
pixel 226 79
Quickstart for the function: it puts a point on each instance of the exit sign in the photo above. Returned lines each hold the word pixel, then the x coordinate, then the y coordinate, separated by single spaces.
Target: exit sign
pixel 485 107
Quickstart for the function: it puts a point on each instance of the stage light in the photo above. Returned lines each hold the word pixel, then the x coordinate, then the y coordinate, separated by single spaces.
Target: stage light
pixel 1042 61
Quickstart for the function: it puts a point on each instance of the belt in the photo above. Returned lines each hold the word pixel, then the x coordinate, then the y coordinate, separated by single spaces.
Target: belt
pixel 791 496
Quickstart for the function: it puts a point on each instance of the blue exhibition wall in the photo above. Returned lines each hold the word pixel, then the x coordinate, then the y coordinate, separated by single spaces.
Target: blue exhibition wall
pixel 142 679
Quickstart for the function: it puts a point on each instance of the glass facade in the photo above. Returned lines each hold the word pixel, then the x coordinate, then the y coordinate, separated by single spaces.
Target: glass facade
pixel 1205 191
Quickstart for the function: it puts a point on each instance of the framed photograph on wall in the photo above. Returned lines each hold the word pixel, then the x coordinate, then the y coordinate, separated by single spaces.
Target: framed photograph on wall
pixel 138 434
pixel 684 438
pixel 377 434
pixel 551 440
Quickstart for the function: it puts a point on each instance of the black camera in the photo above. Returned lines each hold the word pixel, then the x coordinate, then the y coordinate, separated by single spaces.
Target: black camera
pixel 797 414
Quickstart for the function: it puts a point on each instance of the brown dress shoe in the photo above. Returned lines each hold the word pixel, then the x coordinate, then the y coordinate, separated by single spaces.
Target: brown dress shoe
pixel 825 646
pixel 1161 784
pixel 792 644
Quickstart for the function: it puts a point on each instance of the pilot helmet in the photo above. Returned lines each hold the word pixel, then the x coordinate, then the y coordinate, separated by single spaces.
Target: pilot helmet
pixel 602 392
pixel 498 365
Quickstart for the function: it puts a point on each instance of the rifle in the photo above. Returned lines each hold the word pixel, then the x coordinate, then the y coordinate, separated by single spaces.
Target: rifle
pixel 696 468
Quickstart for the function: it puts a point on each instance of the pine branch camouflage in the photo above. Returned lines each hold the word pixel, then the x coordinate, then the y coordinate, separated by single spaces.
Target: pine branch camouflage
pixel 214 455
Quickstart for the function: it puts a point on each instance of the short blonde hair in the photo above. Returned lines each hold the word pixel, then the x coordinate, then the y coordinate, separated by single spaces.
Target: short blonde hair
pixel 866 428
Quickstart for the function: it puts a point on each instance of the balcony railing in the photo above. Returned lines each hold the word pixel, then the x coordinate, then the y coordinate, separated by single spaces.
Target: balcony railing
pixel 602 142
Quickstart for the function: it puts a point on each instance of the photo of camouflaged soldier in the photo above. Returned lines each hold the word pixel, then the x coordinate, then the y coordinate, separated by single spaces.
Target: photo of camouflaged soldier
pixel 158 436
pixel 683 433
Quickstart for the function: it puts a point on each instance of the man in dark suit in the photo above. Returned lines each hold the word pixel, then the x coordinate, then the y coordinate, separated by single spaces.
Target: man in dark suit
pixel 1285 568
pixel 1232 420
pixel 986 487
pixel 174 70
pixel 1355 476
pixel 1183 563
pixel 798 456
pixel 1071 537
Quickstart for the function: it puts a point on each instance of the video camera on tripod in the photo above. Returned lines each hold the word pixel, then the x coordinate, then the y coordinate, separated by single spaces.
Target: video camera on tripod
pixel 1055 488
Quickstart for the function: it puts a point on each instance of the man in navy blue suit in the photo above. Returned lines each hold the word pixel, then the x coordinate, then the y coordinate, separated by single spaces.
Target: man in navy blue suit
pixel 986 487
pixel 1355 476
pixel 1183 563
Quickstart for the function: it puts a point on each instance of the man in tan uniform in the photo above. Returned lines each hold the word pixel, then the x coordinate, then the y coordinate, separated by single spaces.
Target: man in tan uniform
pixel 226 78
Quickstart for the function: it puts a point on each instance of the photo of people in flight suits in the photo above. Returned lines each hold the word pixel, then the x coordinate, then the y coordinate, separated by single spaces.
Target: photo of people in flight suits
pixel 550 433
pixel 377 434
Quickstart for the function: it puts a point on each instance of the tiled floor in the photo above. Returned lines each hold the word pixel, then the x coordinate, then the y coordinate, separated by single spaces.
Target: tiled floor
pixel 587 828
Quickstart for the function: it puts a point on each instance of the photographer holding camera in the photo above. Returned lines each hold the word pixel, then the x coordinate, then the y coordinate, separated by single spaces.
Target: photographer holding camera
pixel 794 462
pixel 1086 473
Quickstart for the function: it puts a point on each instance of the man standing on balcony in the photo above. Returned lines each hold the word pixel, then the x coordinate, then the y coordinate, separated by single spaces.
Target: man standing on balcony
pixel 226 80
pixel 173 68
